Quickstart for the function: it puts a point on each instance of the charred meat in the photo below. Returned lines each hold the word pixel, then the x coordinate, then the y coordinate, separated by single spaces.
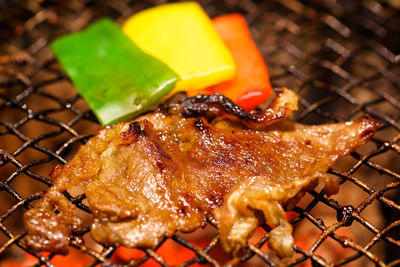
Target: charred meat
pixel 168 170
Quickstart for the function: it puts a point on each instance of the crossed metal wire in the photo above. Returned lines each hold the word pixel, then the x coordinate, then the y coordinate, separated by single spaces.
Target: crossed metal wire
pixel 321 49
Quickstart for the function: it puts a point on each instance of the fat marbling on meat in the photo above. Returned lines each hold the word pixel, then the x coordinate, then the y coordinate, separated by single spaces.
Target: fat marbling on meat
pixel 170 169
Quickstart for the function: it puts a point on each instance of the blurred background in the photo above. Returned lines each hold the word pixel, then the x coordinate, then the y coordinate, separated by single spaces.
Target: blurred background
pixel 341 57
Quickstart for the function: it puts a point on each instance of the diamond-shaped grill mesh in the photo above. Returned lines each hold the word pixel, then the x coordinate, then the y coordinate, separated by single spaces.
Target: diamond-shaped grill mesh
pixel 341 57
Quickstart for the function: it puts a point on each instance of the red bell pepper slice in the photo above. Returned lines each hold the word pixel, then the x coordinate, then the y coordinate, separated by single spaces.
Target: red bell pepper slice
pixel 250 86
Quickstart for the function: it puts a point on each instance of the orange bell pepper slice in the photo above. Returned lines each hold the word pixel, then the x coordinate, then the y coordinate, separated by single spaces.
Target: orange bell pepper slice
pixel 250 86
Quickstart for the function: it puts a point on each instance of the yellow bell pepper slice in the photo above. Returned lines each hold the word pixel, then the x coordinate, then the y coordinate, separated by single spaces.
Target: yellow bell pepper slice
pixel 183 37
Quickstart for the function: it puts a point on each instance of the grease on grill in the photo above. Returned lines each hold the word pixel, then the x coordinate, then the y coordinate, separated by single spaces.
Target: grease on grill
pixel 291 51
pixel 345 215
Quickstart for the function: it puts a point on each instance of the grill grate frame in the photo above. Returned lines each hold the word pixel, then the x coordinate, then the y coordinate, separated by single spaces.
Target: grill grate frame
pixel 330 52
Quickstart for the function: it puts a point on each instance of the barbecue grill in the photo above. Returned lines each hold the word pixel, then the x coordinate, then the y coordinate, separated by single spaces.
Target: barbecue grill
pixel 341 57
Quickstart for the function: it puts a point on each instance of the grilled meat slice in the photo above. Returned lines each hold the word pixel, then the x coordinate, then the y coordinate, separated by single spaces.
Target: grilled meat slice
pixel 170 169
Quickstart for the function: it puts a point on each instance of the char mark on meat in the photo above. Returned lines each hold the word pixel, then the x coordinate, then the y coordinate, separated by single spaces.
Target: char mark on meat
pixel 170 169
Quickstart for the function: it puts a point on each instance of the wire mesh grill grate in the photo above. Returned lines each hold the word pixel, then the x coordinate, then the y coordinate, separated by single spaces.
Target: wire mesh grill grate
pixel 341 57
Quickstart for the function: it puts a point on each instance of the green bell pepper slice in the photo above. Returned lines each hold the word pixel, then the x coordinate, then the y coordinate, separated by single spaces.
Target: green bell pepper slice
pixel 117 79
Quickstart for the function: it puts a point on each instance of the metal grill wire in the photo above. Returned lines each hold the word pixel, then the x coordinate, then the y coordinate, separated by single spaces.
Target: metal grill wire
pixel 341 57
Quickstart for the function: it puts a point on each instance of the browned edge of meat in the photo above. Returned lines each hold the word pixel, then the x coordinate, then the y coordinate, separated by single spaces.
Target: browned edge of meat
pixel 169 169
